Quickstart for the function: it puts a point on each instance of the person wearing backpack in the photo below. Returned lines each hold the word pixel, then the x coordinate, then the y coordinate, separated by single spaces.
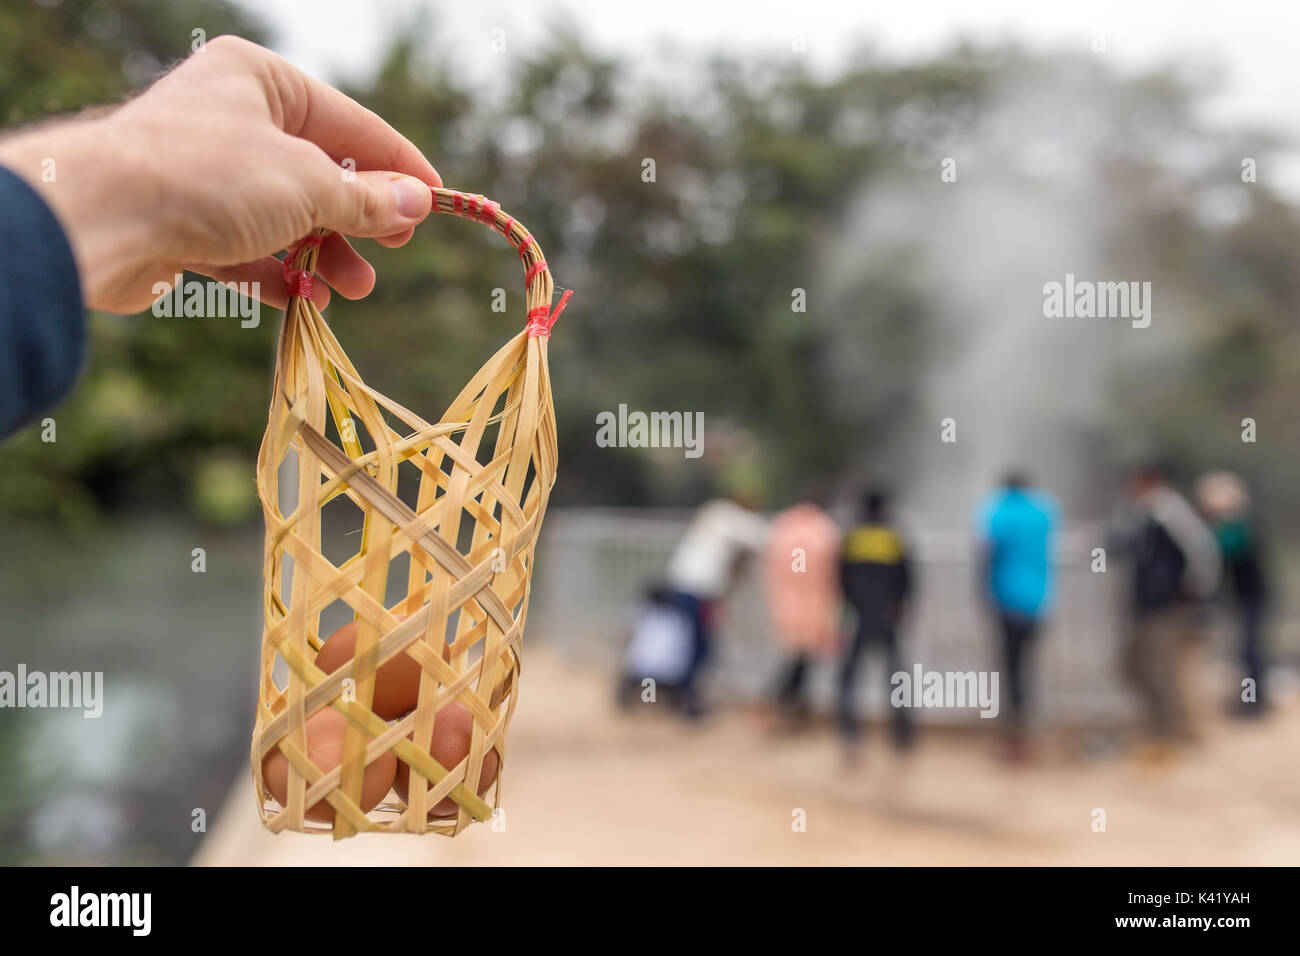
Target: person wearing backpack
pixel 1175 568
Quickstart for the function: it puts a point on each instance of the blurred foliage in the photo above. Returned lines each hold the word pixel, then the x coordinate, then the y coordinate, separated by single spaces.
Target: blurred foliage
pixel 685 283
pixel 157 395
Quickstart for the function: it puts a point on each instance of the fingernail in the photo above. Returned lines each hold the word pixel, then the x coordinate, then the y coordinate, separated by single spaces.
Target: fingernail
pixel 413 197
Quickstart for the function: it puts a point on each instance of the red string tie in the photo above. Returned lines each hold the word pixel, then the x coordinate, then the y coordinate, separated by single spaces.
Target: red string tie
pixel 535 268
pixel 476 207
pixel 301 282
pixel 524 243
pixel 540 322
pixel 487 211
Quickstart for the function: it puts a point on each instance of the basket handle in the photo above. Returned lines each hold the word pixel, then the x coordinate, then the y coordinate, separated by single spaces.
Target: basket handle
pixel 539 286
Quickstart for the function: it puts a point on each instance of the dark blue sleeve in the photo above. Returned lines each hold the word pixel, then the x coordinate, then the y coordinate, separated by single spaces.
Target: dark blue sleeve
pixel 42 322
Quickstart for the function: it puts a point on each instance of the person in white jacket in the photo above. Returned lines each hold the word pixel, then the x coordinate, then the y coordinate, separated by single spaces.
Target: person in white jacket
pixel 723 533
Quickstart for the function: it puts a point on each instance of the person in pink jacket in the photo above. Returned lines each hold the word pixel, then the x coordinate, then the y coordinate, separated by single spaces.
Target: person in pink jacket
pixel 801 566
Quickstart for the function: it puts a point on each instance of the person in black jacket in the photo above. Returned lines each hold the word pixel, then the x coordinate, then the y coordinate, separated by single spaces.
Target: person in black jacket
pixel 228 158
pixel 876 574
pixel 1176 566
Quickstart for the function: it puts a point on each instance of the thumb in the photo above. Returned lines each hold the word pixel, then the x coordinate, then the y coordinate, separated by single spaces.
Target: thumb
pixel 372 203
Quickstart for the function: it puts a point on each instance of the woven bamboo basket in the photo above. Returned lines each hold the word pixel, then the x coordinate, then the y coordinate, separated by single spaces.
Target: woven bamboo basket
pixel 482 476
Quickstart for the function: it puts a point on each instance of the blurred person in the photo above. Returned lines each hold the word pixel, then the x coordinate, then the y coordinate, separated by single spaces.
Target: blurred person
pixel 723 534
pixel 801 584
pixel 876 576
pixel 1015 526
pixel 1225 501
pixel 660 648
pixel 1176 566
pixel 225 160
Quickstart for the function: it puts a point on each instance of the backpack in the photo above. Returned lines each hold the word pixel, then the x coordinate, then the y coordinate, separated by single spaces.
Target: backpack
pixel 1159 565
pixel 662 645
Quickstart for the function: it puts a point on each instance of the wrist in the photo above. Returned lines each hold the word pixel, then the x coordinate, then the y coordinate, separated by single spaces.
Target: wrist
pixel 99 192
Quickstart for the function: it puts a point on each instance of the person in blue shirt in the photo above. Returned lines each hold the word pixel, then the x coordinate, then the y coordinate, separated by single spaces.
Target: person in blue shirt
pixel 1015 528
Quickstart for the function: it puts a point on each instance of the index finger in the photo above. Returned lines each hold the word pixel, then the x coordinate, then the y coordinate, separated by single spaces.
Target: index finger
pixel 338 124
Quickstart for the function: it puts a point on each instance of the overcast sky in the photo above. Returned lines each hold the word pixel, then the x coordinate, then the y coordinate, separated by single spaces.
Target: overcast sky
pixel 1254 43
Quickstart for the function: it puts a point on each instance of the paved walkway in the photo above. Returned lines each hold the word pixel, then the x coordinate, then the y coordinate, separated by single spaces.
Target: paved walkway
pixel 655 792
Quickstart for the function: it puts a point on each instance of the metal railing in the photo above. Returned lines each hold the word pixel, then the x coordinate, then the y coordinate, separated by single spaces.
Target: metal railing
pixel 594 565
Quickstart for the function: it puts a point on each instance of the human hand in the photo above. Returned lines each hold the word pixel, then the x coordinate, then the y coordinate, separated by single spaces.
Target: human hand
pixel 230 157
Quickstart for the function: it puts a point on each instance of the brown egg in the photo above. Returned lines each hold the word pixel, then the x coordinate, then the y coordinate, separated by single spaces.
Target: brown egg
pixel 452 730
pixel 325 732
pixel 397 683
